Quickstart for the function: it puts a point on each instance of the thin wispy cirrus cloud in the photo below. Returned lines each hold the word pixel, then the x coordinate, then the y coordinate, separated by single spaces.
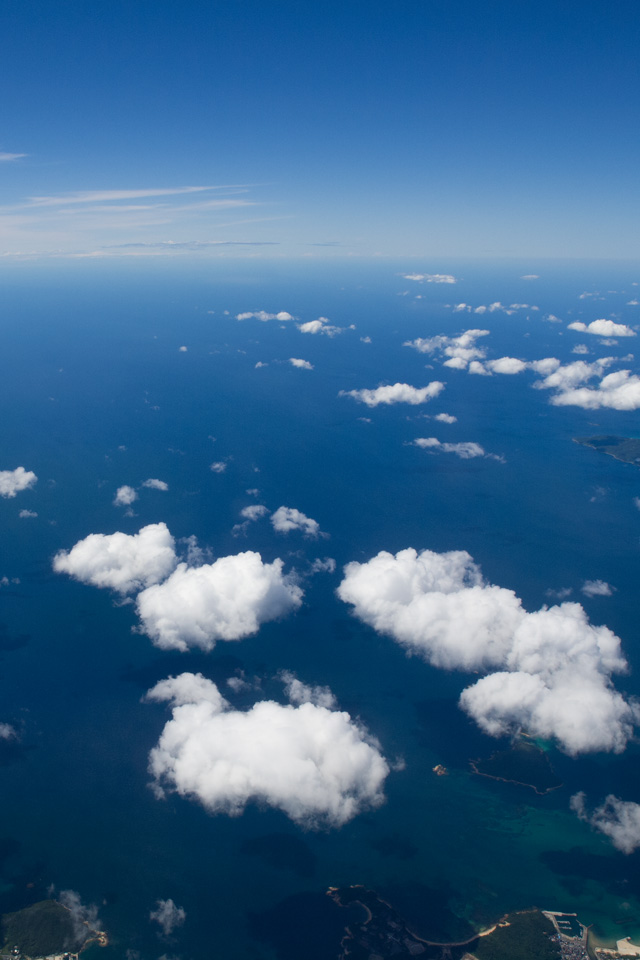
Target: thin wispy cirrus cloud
pixel 547 673
pixel 306 758
pixel 149 221
pixel 9 157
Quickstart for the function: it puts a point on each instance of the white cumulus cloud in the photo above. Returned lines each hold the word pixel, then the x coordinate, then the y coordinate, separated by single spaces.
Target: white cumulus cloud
pixel 321 325
pixel 301 364
pixel 553 668
pixel 286 519
pixel 125 496
pixel 120 561
pixel 395 393
pixel 597 588
pixel 617 819
pixel 14 481
pixel 312 762
pixel 225 600
pixel 466 450
pixel 264 316
pixel 168 915
pixel 152 484
pixel 429 277
pixel 459 350
pixel 603 328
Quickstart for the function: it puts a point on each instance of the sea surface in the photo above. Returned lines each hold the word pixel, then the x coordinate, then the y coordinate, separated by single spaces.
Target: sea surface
pixel 95 393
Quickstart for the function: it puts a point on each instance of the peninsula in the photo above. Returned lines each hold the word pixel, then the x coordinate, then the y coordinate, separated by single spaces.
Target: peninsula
pixel 46 929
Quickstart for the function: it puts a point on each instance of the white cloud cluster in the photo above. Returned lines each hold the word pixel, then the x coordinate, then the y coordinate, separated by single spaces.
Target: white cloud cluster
pixel 14 481
pixel 445 418
pixel 466 450
pixel 286 519
pixel 459 350
pixel 395 393
pixel 430 277
pixel 120 561
pixel 299 692
pixel 321 325
pixel 264 316
pixel 492 307
pixel 553 668
pixel 597 588
pixel 168 915
pixel 314 763
pixel 125 496
pixel 616 391
pixel 603 328
pixel 218 467
pixel 153 484
pixel 617 819
pixel 253 512
pixel 301 364
pixel 7 732
pixel 225 600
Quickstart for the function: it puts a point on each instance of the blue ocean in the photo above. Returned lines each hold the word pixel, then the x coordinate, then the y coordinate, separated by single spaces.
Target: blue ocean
pixel 97 393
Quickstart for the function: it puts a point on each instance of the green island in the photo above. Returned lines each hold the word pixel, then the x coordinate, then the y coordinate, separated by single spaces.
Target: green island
pixel 524 763
pixel 527 935
pixel 45 929
pixel 626 449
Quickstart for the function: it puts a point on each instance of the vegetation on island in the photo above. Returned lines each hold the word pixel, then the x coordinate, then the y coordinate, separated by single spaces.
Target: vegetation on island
pixel 523 763
pixel 520 936
pixel 626 449
pixel 39 930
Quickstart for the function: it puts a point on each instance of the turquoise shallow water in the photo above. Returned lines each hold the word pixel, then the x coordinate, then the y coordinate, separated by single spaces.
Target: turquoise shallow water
pixel 95 393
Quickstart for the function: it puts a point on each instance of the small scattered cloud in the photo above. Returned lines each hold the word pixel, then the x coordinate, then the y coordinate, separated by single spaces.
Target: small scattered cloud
pixel 182 349
pixel 168 915
pixel 321 325
pixel 530 276
pixel 153 484
pixel 603 328
pixel 597 588
pixel 120 561
pixel 580 348
pixel 9 157
pixel 264 316
pixel 365 340
pixel 253 512
pixel 15 481
pixel 298 692
pixel 312 762
pixel 7 732
pixel 125 496
pixel 395 393
pixel 84 918
pixel 466 451
pixel 325 565
pixel 617 819
pixel 260 364
pixel 445 418
pixel 459 350
pixel 218 467
pixel 287 519
pixel 429 277
pixel 27 513
pixel 301 364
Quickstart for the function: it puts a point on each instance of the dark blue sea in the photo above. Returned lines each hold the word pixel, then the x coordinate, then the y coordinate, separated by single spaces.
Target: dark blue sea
pixel 96 393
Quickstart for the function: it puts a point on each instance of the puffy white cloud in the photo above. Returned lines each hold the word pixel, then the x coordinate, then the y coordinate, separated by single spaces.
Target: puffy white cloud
pixel 120 561
pixel 182 349
pixel 430 277
pixel 315 764
pixel 597 588
pixel 617 819
pixel 14 481
pixel 395 393
pixel 445 418
pixel 459 350
pixel 286 519
pixel 7 732
pixel 617 391
pixel 324 565
pixel 218 467
pixel 225 600
pixel 152 484
pixel 603 328
pixel 466 451
pixel 264 316
pixel 125 496
pixel 321 325
pixel 168 915
pixel 301 364
pixel 580 348
pixel 299 692
pixel 27 513
pixel 508 365
pixel 555 668
pixel 253 512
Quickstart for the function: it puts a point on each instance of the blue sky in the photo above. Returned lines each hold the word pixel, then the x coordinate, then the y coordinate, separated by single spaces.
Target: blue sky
pixel 358 128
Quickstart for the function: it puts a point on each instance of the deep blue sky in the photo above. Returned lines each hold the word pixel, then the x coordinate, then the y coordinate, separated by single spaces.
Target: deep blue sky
pixel 408 128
